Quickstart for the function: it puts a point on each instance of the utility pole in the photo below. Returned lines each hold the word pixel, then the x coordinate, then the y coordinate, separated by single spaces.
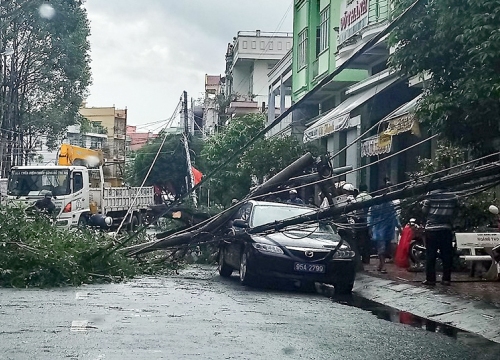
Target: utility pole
pixel 185 113
pixel 185 137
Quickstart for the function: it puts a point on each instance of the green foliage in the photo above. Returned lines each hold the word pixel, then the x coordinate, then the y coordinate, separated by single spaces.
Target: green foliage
pixel 262 160
pixel 170 169
pixel 473 209
pixel 458 43
pixel 48 72
pixel 87 126
pixel 34 253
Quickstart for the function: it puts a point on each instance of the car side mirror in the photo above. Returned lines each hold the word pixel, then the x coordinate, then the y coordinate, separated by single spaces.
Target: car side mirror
pixel 240 223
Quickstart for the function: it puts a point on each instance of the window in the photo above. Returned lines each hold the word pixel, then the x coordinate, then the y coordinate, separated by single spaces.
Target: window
pixel 280 45
pixel 263 45
pixel 77 181
pixel 324 29
pixel 254 44
pixel 245 44
pixel 302 49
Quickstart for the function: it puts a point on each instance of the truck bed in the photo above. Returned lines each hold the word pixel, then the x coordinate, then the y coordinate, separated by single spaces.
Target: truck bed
pixel 120 198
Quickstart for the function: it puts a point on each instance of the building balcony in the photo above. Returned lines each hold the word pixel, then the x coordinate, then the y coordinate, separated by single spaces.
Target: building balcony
pixel 242 107
pixel 282 69
pixel 252 45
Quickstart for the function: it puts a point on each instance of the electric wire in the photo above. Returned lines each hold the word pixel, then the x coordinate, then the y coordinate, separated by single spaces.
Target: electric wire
pixel 147 175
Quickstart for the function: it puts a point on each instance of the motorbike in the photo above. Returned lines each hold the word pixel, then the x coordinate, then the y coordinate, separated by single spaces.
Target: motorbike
pixel 416 252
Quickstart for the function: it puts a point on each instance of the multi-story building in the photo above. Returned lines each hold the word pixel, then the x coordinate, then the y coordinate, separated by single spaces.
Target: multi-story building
pixel 136 140
pixel 45 156
pixel 115 122
pixel 248 61
pixel 214 94
pixel 327 34
pixel 280 90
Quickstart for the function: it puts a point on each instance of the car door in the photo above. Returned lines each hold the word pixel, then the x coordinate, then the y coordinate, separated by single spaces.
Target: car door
pixel 235 241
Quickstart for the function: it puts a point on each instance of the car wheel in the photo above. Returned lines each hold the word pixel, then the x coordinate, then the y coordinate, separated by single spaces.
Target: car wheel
pixel 224 269
pixel 343 288
pixel 245 277
pixel 82 221
pixel 134 223
pixel 308 286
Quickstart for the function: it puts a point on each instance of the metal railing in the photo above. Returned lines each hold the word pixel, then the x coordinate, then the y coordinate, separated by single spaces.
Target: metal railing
pixel 258 33
pixel 380 10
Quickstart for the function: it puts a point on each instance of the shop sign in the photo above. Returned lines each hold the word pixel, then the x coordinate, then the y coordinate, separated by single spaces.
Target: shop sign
pixel 335 124
pixel 353 17
pixel 376 145
pixel 402 124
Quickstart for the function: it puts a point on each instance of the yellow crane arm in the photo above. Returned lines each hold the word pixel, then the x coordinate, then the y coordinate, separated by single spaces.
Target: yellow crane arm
pixel 79 156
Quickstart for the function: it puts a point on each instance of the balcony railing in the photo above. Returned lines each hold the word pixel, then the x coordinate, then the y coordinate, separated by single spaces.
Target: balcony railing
pixel 265 33
pixel 379 11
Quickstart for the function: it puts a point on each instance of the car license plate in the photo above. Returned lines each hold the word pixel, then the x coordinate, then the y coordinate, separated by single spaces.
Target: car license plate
pixel 312 268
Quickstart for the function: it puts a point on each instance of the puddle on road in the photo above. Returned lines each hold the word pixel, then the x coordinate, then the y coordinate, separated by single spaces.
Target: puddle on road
pixel 393 315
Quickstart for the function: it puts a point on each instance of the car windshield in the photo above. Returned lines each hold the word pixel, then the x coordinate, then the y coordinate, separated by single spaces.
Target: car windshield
pixel 264 214
pixel 36 182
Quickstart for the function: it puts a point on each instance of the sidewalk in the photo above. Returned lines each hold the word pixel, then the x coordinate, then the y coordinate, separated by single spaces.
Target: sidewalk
pixel 462 284
pixel 468 304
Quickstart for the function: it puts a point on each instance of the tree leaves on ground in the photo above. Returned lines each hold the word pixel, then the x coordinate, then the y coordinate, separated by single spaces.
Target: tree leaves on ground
pixel 34 253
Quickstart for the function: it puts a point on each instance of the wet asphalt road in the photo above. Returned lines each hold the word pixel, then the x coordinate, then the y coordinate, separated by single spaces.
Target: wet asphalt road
pixel 198 315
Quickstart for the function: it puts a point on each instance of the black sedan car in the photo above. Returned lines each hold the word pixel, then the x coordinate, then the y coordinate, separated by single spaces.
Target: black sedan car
pixel 306 253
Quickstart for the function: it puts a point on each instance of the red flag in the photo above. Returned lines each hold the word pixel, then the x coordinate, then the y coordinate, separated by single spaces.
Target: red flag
pixel 197 175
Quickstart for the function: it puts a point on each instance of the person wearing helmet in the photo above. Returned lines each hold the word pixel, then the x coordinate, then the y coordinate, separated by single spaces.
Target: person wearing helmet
pixel 294 199
pixel 46 205
pixel 346 196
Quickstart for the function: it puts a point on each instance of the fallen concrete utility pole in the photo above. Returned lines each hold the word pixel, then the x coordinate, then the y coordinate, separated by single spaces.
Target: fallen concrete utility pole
pixel 213 224
pixel 468 179
pixel 489 173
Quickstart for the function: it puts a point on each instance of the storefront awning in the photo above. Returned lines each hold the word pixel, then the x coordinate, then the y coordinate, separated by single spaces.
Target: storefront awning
pixel 402 119
pixel 376 145
pixel 339 118
pixel 399 121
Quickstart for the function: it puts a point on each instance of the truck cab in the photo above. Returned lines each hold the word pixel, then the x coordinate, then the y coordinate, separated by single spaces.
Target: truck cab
pixel 69 186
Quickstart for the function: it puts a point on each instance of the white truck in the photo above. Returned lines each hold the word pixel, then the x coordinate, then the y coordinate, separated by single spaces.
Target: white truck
pixel 80 195
pixel 3 190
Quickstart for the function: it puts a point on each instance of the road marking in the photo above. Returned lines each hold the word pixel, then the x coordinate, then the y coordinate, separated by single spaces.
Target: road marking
pixel 81 325
pixel 81 295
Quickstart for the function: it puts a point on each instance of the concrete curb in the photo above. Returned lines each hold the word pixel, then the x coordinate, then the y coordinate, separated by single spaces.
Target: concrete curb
pixel 473 316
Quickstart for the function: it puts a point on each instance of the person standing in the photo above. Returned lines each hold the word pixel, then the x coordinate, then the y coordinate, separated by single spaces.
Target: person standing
pixel 440 208
pixel 294 199
pixel 46 205
pixel 382 222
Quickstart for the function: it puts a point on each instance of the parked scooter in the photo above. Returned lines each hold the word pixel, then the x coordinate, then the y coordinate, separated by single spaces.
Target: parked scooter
pixel 417 249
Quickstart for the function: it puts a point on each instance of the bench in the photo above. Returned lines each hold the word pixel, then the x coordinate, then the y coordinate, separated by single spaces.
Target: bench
pixel 474 242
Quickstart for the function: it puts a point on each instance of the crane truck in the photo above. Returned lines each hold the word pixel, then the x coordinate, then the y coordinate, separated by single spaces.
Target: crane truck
pixel 79 191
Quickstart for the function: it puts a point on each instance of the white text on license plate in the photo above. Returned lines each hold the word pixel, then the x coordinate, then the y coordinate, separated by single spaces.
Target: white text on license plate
pixel 314 268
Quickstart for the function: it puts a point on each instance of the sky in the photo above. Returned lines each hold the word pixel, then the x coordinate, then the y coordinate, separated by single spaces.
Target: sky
pixel 145 53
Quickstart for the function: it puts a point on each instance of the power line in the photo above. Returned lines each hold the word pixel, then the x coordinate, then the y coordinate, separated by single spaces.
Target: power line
pixel 144 181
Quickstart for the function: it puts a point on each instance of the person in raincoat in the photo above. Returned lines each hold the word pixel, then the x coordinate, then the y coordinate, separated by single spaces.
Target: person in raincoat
pixel 382 222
